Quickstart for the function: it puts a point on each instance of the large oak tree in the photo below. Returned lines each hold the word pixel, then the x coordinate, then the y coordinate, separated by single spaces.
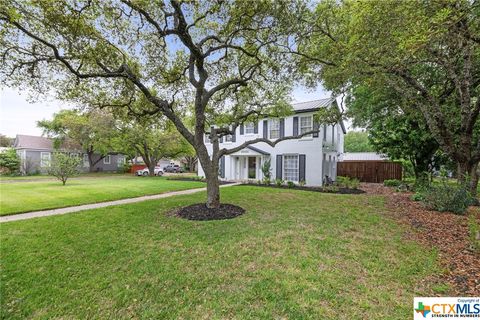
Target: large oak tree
pixel 221 62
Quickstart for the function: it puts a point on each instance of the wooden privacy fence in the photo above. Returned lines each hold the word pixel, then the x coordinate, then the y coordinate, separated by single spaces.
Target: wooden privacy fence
pixel 370 171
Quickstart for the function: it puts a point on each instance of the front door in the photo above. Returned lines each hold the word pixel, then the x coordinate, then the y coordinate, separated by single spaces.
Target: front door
pixel 252 167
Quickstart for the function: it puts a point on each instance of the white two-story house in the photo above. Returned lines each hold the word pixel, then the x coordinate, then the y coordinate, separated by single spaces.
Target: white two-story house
pixel 309 159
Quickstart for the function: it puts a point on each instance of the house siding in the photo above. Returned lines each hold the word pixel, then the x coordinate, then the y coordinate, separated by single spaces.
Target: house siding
pixel 31 162
pixel 312 147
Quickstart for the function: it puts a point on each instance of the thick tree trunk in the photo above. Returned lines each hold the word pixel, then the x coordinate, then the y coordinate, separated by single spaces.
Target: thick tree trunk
pixel 213 190
pixel 467 174
pixel 151 168
pixel 210 167
pixel 91 164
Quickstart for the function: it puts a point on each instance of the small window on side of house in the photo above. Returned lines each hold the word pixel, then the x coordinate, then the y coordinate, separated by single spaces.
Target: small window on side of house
pixel 107 160
pixel 45 158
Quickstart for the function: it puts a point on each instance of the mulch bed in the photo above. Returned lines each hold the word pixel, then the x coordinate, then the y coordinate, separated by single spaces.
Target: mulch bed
pixel 200 212
pixel 445 231
pixel 221 182
pixel 305 188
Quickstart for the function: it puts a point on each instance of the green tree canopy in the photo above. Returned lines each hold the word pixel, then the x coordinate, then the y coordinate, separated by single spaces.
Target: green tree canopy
pixel 93 131
pixel 427 52
pixel 357 141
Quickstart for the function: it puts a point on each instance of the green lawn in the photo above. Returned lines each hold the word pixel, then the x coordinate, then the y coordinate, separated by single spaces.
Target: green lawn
pixel 30 196
pixel 293 255
pixel 43 177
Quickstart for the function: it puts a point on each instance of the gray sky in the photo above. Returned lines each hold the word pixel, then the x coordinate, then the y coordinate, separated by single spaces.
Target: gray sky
pixel 19 116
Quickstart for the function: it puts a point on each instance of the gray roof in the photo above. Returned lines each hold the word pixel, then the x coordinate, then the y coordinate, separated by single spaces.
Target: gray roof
pixel 43 143
pixel 364 156
pixel 33 142
pixel 258 150
pixel 312 105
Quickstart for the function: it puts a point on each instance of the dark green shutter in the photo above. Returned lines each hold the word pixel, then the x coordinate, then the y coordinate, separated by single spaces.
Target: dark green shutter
pixel 255 127
pixel 241 129
pixel 282 128
pixel 265 129
pixel 295 126
pixel 316 127
pixel 301 167
pixel 222 167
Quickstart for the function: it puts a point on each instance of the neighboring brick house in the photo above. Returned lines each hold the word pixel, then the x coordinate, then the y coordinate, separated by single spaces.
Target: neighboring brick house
pixel 36 153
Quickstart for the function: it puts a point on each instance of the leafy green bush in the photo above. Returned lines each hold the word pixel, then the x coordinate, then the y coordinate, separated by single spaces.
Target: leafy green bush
pixel 341 180
pixel 267 172
pixel 354 183
pixel 290 184
pixel 446 197
pixel 302 183
pixel 392 183
pixel 417 196
pixel 279 182
pixel 474 231
pixel 64 166
pixel 347 182
pixel 330 188
pixel 9 161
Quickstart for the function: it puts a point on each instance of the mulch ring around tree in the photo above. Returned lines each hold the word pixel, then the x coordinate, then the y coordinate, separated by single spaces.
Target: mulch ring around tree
pixel 446 231
pixel 200 212
pixel 305 188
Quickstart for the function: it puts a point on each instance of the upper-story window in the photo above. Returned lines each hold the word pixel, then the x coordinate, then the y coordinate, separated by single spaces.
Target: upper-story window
pixel 249 128
pixel 274 128
pixel 306 124
pixel 228 138
pixel 107 160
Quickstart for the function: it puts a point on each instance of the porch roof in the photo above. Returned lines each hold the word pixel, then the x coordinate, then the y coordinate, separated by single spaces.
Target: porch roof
pixel 250 151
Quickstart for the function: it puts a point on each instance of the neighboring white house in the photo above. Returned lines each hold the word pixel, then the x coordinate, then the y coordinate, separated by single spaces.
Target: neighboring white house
pixel 308 159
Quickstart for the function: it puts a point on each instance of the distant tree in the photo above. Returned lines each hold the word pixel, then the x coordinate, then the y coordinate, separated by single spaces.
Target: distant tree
pixel 9 161
pixel 153 140
pixel 395 128
pixel 94 131
pixel 64 166
pixel 357 141
pixel 191 159
pixel 5 141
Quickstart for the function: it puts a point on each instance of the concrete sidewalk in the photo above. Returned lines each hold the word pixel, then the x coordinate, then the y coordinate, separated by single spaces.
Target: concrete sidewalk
pixel 53 212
